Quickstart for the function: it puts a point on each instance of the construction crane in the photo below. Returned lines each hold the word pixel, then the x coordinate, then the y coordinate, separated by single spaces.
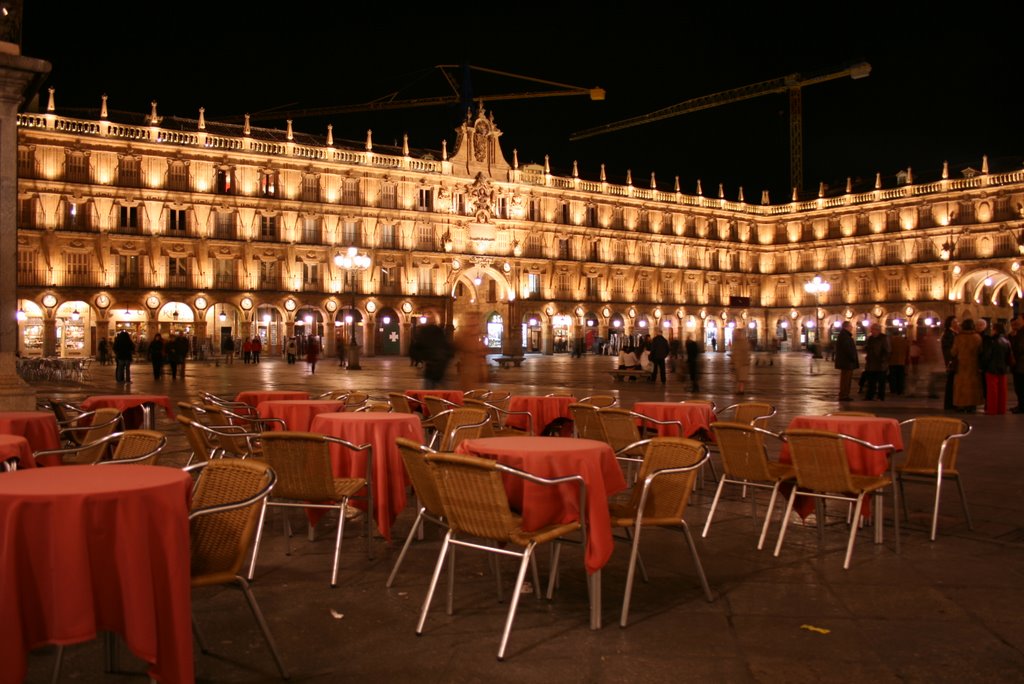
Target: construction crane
pixel 792 84
pixel 459 95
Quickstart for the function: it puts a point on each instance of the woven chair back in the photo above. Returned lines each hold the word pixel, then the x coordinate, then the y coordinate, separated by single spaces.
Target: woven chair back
pixel 668 494
pixel 435 405
pixel 743 452
pixel 399 402
pixel 819 459
pixel 104 420
pixel 486 407
pixel 421 476
pixel 476 394
pixel 588 423
pixel 355 400
pixel 135 443
pixel 600 400
pixel 754 413
pixel 234 445
pixel 220 541
pixel 198 440
pixel 619 427
pixel 463 423
pixel 926 437
pixel 473 496
pixel 302 461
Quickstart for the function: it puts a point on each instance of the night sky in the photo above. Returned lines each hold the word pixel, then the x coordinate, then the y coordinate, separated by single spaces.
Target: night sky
pixel 941 88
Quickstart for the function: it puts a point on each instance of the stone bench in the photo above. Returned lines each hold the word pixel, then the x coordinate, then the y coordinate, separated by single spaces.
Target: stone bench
pixel 620 375
pixel 506 361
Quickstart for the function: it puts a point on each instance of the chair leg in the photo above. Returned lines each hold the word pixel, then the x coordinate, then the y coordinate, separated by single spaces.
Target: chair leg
pixel 337 542
pixel 405 547
pixel 450 603
pixel 55 675
pixel 556 554
pixel 536 576
pixel 259 538
pixel 963 502
pixel 768 515
pixel 263 626
pixel 697 563
pixel 785 521
pixel 369 524
pixel 630 574
pixel 853 530
pixel 433 582
pixel 903 496
pixel 639 560
pixel 496 565
pixel 513 604
pixel 714 505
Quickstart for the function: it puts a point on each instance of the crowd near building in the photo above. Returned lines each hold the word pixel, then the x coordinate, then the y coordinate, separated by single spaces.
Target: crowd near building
pixel 161 224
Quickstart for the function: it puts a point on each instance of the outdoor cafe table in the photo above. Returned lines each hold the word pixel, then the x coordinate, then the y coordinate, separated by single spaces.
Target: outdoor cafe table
pixel 39 428
pixel 254 397
pixel 542 505
pixel 85 549
pixel 862 461
pixel 298 414
pixel 693 417
pixel 137 409
pixel 543 409
pixel 16 448
pixel 454 396
pixel 380 430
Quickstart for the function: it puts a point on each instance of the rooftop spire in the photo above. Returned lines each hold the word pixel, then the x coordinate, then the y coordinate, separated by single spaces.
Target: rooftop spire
pixel 984 163
pixel 604 176
pixel 330 135
pixel 676 187
pixel 153 119
pixel 945 170
pixel 515 159
pixel 721 191
pixel 49 103
pixel 700 190
pixel 741 194
pixel 290 135
pixel 849 185
pixel 878 180
pixel 202 118
pixel 405 144
pixel 575 169
pixel 629 176
pixel 246 128
pixel 654 182
pixel 821 189
pixel 547 164
pixel 369 140
pixel 764 197
pixel 444 150
pixel 795 195
pixel 103 106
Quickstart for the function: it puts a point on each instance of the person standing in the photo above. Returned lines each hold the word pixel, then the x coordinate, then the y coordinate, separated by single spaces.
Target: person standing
pixel 156 355
pixel 434 350
pixel 227 347
pixel 257 348
pixel 124 349
pixel 741 359
pixel 246 350
pixel 290 350
pixel 179 352
pixel 103 348
pixel 996 361
pixel 312 353
pixel 950 328
pixel 657 353
pixel 899 356
pixel 1017 347
pixel 967 382
pixel 876 359
pixel 846 359
pixel 692 362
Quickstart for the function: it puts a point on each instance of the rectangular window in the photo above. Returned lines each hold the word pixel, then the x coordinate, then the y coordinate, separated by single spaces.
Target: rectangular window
pixel 129 273
pixel 310 189
pixel 311 230
pixel 425 237
pixel 1002 245
pixel 834 261
pixel 268 184
pixel 26 162
pixel 924 287
pixel 128 219
pixel 864 289
pixel 388 236
pixel 350 191
pixel 268 228
pixel 591 216
pixel 492 291
pixel 691 291
pixel 76 263
pixel 224 184
pixel 566 213
pixel 269 278
pixel 459 203
pixel 389 196
pixel 352 234
pixel 533 284
pixel 892 254
pixel 893 288
pixel 425 280
pixel 225 227
pixel 310 276
pixel 177 177
pixel 620 252
pixel 74 216
pixel 177 221
pixel 593 288
pixel 224 274
pixel 644 289
pixel 781 294
pixel 563 249
pixel 502 208
pixel 534 213
pixel 618 286
pixel 177 272
pixel 76 167
pixel 617 218
pixel 425 201
pixel 595 250
pixel 388 280
pixel 643 222
pixel 129 172
pixel 534 246
pixel 562 283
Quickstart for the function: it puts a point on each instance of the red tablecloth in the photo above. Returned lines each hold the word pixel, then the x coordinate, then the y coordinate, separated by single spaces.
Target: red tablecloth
pixel 454 396
pixel 552 457
pixel 38 427
pixel 16 447
pixel 543 409
pixel 254 398
pixel 127 404
pixel 86 549
pixel 380 430
pixel 298 414
pixel 694 417
pixel 862 461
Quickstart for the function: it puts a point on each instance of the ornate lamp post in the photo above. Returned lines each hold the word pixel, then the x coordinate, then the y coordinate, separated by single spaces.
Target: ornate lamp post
pixel 352 261
pixel 817 286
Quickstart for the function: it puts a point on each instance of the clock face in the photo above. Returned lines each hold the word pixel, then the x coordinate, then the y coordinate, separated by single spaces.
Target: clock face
pixel 200 302
pixel 331 305
pixel 49 301
pixel 152 302
pixel 103 301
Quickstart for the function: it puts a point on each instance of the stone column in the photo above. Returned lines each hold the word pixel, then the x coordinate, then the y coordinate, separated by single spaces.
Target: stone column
pixel 18 74
pixel 547 338
pixel 406 340
pixel 49 337
pixel 370 348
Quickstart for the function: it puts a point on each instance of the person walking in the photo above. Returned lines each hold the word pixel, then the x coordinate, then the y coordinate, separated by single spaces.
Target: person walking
pixel 227 348
pixel 876 359
pixel 693 352
pixel 103 348
pixel 996 361
pixel 899 356
pixel 967 383
pixel 433 349
pixel 290 350
pixel 657 353
pixel 950 328
pixel 156 356
pixel 1017 347
pixel 740 359
pixel 257 348
pixel 179 353
pixel 312 353
pixel 124 349
pixel 846 359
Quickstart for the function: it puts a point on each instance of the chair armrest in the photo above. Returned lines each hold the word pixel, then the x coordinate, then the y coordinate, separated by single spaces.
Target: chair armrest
pixel 220 508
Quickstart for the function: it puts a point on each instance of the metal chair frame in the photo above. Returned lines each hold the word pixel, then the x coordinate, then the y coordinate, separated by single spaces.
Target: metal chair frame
pixel 945 462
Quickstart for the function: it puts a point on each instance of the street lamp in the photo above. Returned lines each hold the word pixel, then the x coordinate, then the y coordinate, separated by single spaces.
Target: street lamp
pixel 817 286
pixel 352 261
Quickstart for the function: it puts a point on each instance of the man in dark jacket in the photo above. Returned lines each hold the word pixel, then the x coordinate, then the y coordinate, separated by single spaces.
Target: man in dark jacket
pixel 876 362
pixel 693 352
pixel 124 349
pixel 657 352
pixel 846 359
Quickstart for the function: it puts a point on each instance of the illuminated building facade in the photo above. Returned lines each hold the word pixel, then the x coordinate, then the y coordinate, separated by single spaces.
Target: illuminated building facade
pixel 167 225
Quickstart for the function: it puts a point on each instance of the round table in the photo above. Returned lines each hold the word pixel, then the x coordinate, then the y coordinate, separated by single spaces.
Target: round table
pixel 136 409
pixel 543 409
pixel 553 457
pixel 38 427
pixel 15 448
pixel 89 549
pixel 253 398
pixel 298 414
pixel 380 430
pixel 694 417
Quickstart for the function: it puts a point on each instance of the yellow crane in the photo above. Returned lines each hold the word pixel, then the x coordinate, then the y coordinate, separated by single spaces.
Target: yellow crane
pixel 791 84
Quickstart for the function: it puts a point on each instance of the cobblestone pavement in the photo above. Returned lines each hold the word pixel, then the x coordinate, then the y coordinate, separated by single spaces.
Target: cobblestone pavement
pixel 949 610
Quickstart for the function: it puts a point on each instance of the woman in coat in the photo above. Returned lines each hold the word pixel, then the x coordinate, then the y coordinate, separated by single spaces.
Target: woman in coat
pixel 967 382
pixel 741 358
pixel 996 361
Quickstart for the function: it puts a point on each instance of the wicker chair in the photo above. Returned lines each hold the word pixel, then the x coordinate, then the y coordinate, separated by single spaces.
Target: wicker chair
pixel 428 498
pixel 754 413
pixel 622 429
pixel 497 426
pixel 140 447
pixel 455 425
pixel 220 416
pixel 202 444
pixel 745 462
pixel 83 438
pixel 374 406
pixel 229 440
pixel 239 407
pixel 225 507
pixel 481 394
pixel 476 506
pixel 302 461
pixel 931 457
pixel 586 422
pixel 355 400
pixel 400 403
pixel 668 470
pixel 600 400
pixel 823 472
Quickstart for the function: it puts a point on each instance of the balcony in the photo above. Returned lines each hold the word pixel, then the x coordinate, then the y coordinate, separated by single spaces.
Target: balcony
pixel 225 232
pixel 272 281
pixel 225 281
pixel 184 281
pixel 132 280
pixel 127 230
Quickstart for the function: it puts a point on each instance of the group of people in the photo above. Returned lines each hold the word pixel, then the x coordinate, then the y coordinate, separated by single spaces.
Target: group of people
pixel 656 354
pixel 978 359
pixel 173 352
